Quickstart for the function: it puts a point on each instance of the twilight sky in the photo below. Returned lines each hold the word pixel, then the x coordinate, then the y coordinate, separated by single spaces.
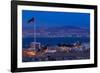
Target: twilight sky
pixel 53 19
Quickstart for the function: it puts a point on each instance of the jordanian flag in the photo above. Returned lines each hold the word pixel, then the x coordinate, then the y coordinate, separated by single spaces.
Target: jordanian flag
pixel 31 20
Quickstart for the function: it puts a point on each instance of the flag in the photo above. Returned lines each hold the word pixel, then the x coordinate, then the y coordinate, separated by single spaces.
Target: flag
pixel 31 20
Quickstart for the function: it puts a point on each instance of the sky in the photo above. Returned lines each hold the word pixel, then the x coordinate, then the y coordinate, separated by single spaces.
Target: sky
pixel 53 19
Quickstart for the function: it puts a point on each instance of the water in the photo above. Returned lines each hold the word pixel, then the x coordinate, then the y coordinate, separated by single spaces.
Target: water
pixel 54 41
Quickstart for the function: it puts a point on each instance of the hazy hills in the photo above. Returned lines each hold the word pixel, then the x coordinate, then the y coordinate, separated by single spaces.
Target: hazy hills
pixel 63 31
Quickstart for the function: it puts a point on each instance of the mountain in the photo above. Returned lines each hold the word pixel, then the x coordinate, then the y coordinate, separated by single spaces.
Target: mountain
pixel 63 31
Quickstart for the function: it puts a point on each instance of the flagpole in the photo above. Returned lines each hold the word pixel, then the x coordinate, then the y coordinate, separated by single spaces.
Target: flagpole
pixel 34 35
pixel 34 30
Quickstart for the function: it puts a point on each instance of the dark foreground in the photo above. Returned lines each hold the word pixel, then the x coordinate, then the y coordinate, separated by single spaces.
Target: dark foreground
pixel 53 55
